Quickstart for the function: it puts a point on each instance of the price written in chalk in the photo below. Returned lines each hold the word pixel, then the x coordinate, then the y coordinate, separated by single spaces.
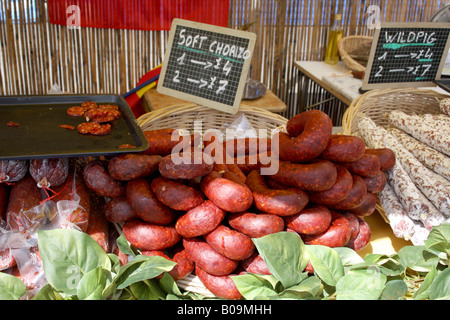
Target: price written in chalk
pixel 207 65
pixel 406 55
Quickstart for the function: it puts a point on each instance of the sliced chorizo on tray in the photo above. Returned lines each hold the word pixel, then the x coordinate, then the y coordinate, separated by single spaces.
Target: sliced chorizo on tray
pixel 283 202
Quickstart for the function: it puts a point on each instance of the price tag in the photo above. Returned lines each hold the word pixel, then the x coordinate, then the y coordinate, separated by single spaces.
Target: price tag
pixel 407 55
pixel 206 64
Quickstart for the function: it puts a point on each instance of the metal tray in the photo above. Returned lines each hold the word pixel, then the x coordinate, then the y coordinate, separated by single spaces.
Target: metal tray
pixel 38 134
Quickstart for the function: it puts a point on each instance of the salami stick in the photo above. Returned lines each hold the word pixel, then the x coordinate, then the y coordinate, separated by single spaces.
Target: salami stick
pixel 440 122
pixel 444 105
pixel 401 224
pixel 417 206
pixel 431 158
pixel 421 131
pixel 431 184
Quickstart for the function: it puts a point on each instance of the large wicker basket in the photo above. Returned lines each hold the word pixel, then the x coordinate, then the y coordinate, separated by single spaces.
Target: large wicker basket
pixel 182 117
pixel 375 104
pixel 354 52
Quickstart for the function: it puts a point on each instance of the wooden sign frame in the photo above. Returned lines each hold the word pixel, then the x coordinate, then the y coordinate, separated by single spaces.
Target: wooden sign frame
pixel 212 79
pixel 403 25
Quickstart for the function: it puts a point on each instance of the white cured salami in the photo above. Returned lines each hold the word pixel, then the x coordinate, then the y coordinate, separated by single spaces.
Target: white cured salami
pixel 421 131
pixel 402 226
pixel 431 158
pixel 431 184
pixel 417 206
pixel 445 106
pixel 435 121
pixel 420 235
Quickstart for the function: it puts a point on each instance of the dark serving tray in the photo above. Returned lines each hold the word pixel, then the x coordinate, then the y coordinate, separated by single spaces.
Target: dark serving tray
pixel 38 134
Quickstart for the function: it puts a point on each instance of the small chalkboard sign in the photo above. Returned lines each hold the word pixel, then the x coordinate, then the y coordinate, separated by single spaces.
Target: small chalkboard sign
pixel 407 55
pixel 206 64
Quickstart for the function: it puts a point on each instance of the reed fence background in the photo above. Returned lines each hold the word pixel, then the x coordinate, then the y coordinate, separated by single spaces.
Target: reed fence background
pixel 36 54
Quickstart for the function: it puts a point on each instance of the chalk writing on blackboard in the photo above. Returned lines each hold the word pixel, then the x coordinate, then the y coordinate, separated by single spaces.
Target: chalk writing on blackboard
pixel 407 55
pixel 206 64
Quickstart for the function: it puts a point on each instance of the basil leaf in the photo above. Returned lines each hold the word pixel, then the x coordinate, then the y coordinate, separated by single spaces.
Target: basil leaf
pixel 440 288
pixel 11 287
pixel 251 286
pixel 67 255
pixel 92 284
pixel 412 257
pixel 394 290
pixel 284 254
pixel 360 286
pixel 326 263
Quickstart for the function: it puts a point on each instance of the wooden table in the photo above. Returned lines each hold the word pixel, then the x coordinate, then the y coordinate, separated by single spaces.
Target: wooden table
pixel 153 100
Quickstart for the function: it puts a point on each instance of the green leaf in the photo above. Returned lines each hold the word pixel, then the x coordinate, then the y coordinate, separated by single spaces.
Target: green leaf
pixel 360 286
pixel 252 286
pixel 439 235
pixel 47 293
pixel 147 290
pixel 149 268
pixel 284 255
pixel 309 288
pixel 11 287
pixel 326 263
pixel 348 256
pixel 68 254
pixel 169 285
pixel 92 284
pixel 394 290
pixel 124 245
pixel 412 257
pixel 422 292
pixel 440 287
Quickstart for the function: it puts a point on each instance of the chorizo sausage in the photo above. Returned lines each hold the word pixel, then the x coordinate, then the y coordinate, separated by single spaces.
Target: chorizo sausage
pixel 283 202
pixel 49 172
pixel 146 205
pixel 200 220
pixel 230 243
pixel 189 165
pixel 24 196
pixel 176 195
pixel 337 234
pixel 308 135
pixel 362 239
pixel 338 191
pixel 318 175
pixel 354 197
pixel 75 186
pixel 13 170
pixel 184 267
pixel 130 166
pixel 354 223
pixel 312 220
pixel 344 148
pixel 220 286
pixel 255 264
pixel 98 179
pixel 366 166
pixel 256 225
pixel 385 155
pixel 147 236
pixel 207 258
pixel 118 210
pixel 227 191
pixel 376 183
pixel 367 206
pixel 98 226
pixel 163 141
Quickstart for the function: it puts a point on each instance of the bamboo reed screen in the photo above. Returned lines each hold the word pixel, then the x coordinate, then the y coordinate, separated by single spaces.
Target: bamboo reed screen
pixel 36 54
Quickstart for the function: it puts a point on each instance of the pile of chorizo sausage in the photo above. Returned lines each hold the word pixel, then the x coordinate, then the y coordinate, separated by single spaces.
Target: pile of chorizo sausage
pixel 202 214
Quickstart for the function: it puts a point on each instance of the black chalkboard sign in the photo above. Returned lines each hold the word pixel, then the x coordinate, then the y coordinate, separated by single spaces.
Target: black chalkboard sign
pixel 407 55
pixel 206 64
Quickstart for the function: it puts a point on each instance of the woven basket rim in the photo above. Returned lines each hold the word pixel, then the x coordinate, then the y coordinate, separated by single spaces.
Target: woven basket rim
pixel 349 61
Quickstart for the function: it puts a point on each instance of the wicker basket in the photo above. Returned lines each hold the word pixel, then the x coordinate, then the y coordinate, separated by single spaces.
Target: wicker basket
pixel 354 52
pixel 182 117
pixel 375 104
